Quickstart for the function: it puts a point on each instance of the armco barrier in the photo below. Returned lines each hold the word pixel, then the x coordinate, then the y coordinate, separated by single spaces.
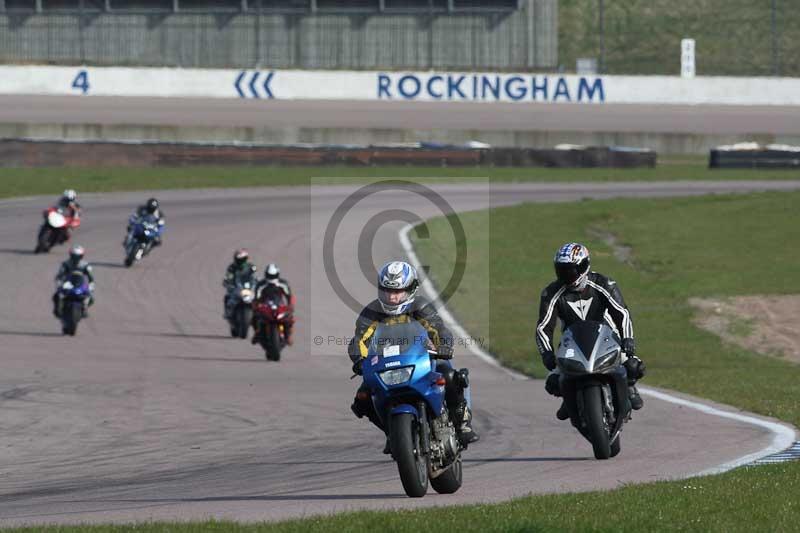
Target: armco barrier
pixel 35 153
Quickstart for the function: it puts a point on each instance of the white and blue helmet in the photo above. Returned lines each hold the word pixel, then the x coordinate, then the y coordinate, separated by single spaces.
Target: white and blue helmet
pixel 572 265
pixel 397 277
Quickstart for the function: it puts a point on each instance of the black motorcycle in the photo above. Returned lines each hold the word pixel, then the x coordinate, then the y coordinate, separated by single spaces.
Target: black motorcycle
pixel 594 384
pixel 239 310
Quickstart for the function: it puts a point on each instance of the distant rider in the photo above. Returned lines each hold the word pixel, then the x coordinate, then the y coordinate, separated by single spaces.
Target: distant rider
pixel 273 286
pixel 69 206
pixel 397 295
pixel 580 294
pixel 241 267
pixel 74 263
pixel 68 203
pixel 149 208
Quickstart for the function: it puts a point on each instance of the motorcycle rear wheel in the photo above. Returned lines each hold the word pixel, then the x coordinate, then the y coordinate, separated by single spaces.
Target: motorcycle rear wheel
pixel 593 415
pixel 449 481
pixel 411 464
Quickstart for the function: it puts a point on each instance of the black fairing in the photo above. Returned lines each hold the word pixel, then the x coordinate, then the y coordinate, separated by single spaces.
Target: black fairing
pixel 585 335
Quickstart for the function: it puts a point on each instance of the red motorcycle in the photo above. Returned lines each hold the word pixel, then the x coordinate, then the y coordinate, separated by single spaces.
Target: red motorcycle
pixel 55 229
pixel 272 318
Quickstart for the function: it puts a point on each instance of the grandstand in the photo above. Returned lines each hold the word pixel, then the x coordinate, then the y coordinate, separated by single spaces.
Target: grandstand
pixel 274 6
pixel 494 35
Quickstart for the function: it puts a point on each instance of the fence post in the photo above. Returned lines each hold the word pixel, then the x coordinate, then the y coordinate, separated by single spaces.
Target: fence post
pixel 81 43
pixel 776 67
pixel 601 67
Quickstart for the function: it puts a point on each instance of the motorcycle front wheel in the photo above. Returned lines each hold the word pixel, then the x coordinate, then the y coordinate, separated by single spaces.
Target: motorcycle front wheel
pixel 71 318
pixel 595 421
pixel 412 465
pixel 241 319
pixel 272 342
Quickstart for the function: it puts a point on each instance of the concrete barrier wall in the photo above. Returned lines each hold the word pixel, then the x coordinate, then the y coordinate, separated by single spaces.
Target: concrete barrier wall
pixel 405 86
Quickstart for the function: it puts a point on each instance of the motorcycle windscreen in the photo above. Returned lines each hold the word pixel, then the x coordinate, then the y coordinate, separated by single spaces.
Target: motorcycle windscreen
pixel 585 335
pixel 78 281
pixel 399 339
pixel 56 219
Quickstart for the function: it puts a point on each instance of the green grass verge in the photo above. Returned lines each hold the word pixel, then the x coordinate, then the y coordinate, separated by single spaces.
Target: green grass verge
pixel 37 181
pixel 734 37
pixel 745 500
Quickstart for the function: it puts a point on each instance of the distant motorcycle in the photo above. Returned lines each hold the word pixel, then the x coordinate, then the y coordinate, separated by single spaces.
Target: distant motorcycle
pixel 270 320
pixel 73 294
pixel 594 384
pixel 240 308
pixel 409 397
pixel 143 233
pixel 55 229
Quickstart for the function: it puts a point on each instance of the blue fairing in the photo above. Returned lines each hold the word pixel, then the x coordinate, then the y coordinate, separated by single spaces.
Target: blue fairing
pixel 147 228
pixel 79 289
pixel 399 346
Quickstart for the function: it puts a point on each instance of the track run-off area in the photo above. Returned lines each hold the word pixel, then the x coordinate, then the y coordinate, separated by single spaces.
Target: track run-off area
pixel 152 412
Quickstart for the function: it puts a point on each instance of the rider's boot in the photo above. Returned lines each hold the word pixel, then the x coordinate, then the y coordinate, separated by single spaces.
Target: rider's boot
pixel 563 412
pixel 635 399
pixel 466 433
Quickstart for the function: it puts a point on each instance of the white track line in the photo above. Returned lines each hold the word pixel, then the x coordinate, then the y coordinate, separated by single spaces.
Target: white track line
pixel 783 436
pixel 449 319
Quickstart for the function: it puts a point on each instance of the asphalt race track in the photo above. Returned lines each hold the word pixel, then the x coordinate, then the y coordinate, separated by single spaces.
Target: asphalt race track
pixel 153 413
pixel 221 112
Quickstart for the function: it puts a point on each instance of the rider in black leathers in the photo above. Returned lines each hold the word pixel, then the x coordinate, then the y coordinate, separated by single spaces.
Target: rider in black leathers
pixel 239 268
pixel 274 285
pixel 74 263
pixel 579 294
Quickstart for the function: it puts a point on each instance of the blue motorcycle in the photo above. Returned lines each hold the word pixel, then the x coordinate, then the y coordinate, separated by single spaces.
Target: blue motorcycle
pixel 409 396
pixel 141 236
pixel 72 295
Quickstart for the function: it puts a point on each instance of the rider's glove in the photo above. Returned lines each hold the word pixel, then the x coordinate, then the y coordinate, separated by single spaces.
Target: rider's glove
pixel 549 360
pixel 444 351
pixel 629 347
pixel 635 367
pixel 357 367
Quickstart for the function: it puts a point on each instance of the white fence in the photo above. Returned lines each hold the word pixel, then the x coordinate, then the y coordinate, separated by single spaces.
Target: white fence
pixel 398 86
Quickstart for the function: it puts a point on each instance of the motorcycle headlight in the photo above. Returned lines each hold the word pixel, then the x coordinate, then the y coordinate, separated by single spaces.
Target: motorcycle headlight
pixel 570 366
pixel 396 376
pixel 67 285
pixel 247 296
pixel 606 361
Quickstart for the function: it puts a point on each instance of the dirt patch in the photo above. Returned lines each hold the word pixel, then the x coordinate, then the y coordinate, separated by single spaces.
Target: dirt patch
pixel 763 324
pixel 622 253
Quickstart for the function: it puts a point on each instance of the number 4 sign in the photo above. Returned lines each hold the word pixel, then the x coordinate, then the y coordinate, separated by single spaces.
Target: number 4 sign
pixel 81 81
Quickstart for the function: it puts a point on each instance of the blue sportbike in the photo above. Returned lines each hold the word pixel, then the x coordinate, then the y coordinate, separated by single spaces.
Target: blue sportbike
pixel 73 294
pixel 409 396
pixel 141 237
